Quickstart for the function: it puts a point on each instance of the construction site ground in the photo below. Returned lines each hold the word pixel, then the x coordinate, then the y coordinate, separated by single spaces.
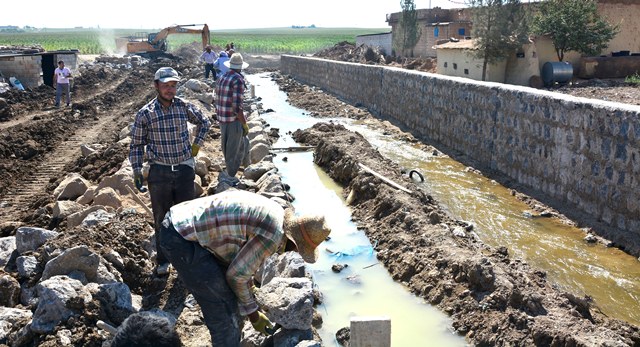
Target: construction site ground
pixel 494 300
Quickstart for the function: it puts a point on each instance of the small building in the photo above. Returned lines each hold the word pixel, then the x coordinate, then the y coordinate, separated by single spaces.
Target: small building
pixel 34 67
pixel 457 59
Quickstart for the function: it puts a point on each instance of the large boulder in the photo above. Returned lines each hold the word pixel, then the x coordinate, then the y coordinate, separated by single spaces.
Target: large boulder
pixel 54 304
pixel 31 238
pixel 71 188
pixel 288 301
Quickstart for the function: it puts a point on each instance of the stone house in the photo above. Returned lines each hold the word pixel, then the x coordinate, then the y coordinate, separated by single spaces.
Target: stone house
pixel 435 24
pixel 34 67
pixel 524 67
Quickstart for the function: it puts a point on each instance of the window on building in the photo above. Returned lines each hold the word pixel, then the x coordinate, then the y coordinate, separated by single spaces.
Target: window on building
pixel 436 31
pixel 446 64
pixel 455 66
pixel 461 31
pixel 466 71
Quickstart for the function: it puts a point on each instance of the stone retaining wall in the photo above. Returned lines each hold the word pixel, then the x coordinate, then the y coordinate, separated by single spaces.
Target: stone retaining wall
pixel 582 152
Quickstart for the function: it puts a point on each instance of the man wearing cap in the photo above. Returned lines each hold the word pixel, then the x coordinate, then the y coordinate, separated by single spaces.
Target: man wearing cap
pixel 218 242
pixel 233 124
pixel 209 57
pixel 161 128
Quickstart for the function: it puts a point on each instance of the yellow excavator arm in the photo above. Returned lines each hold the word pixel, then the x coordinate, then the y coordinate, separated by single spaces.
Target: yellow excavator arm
pixel 181 29
pixel 157 42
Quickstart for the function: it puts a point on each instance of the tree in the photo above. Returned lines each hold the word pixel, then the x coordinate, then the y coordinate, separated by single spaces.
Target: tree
pixel 574 25
pixel 500 27
pixel 408 23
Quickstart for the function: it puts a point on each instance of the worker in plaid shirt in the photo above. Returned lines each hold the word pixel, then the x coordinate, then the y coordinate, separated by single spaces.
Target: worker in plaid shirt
pixel 161 126
pixel 233 124
pixel 218 242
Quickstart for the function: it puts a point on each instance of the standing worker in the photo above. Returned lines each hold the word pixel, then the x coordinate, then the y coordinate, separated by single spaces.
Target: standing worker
pixel 161 126
pixel 233 124
pixel 209 57
pixel 218 242
pixel 219 66
pixel 61 76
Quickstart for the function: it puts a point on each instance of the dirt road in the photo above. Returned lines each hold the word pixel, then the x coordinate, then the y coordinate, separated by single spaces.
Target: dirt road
pixel 493 299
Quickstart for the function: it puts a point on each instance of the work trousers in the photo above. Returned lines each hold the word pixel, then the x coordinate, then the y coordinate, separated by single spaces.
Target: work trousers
pixel 63 88
pixel 204 277
pixel 168 185
pixel 208 68
pixel 235 147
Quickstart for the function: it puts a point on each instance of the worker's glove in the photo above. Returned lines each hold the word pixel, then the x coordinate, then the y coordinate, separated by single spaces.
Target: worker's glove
pixel 262 324
pixel 137 180
pixel 194 150
pixel 245 129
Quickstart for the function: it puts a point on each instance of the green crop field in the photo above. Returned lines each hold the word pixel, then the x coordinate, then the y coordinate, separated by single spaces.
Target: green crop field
pixel 272 40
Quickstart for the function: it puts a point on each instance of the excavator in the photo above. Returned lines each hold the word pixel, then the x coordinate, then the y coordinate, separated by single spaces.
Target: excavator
pixel 152 44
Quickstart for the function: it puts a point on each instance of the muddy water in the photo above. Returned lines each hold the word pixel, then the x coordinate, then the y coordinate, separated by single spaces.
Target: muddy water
pixel 364 288
pixel 609 276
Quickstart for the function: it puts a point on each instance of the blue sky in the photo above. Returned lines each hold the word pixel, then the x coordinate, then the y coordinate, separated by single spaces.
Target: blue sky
pixel 238 14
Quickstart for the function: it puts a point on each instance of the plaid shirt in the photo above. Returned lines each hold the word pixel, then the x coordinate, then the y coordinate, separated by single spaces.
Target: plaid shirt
pixel 229 90
pixel 240 228
pixel 165 132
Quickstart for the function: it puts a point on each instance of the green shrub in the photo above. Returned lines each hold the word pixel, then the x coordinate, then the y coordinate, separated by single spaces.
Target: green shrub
pixel 634 79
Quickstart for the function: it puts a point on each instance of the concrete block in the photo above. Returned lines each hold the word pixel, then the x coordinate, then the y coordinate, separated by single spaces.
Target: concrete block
pixel 370 332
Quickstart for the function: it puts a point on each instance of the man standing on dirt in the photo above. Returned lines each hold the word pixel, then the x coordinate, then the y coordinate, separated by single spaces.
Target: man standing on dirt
pixel 61 76
pixel 218 242
pixel 233 124
pixel 161 126
pixel 209 57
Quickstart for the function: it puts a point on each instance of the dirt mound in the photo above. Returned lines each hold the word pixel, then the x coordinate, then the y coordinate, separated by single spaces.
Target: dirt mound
pixel 489 296
pixel 363 54
pixel 616 90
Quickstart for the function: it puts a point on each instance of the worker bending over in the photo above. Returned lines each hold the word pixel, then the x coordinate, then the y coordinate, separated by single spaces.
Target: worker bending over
pixel 217 243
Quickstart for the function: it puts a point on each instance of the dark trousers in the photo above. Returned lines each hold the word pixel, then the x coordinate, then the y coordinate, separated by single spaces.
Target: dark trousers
pixel 168 185
pixel 63 88
pixel 204 277
pixel 208 68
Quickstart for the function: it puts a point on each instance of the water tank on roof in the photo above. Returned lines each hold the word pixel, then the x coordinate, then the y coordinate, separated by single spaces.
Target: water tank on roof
pixel 556 72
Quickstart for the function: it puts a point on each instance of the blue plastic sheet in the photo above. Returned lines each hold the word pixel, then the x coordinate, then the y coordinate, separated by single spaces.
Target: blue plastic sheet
pixel 354 251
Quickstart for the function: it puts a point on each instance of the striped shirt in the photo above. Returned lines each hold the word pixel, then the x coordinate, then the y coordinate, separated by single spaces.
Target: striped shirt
pixel 240 228
pixel 229 90
pixel 165 132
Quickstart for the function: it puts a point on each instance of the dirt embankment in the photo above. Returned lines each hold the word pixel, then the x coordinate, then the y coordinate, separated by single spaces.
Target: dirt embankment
pixel 492 299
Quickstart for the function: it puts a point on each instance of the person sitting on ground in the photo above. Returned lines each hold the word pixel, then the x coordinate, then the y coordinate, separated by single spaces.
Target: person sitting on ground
pixel 218 242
